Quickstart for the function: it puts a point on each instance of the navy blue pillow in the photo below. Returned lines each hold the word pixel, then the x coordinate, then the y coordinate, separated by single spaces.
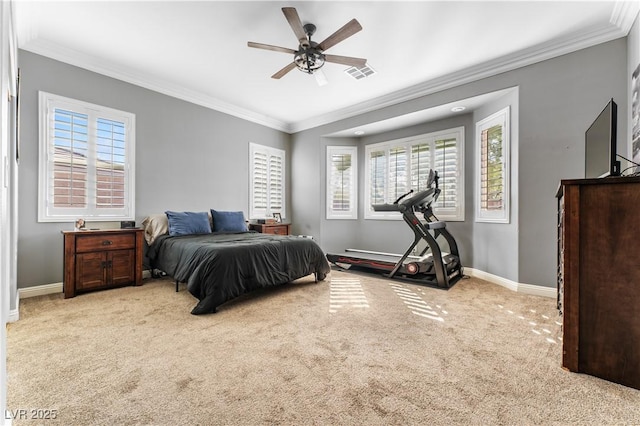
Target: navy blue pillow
pixel 188 223
pixel 228 221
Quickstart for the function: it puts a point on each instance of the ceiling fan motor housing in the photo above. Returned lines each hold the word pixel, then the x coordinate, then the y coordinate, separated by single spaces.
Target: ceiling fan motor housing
pixel 309 29
pixel 309 58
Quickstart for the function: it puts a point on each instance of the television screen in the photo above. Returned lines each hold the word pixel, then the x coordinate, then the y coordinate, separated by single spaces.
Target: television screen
pixel 600 144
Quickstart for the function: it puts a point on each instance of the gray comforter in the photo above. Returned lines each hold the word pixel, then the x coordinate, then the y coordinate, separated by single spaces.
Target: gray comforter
pixel 218 267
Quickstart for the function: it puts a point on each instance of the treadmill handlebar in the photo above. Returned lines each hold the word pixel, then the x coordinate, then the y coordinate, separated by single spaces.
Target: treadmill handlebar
pixel 436 225
pixel 423 197
pixel 402 196
pixel 389 208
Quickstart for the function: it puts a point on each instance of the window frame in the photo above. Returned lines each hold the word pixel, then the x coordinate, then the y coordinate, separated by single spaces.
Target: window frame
pixel 267 212
pixel 48 102
pixel 352 213
pixel 501 117
pixel 449 214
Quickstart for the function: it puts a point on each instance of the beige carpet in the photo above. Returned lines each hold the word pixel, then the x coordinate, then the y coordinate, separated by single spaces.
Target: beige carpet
pixel 355 350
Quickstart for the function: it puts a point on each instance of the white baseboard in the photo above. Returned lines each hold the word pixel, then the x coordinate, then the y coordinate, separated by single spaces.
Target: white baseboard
pixel 535 290
pixel 39 290
pixel 14 314
pixel 44 289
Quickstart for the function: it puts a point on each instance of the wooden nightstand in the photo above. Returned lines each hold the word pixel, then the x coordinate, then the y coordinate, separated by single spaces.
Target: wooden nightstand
pixel 95 260
pixel 271 228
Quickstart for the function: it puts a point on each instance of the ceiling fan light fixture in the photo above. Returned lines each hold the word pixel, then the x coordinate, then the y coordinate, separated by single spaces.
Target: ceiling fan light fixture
pixel 308 60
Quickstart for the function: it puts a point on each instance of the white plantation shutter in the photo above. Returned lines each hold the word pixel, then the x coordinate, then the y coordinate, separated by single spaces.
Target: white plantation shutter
pixel 86 161
pixel 377 177
pixel 446 163
pixel 67 180
pixel 110 164
pixel 420 164
pixel 395 167
pixel 276 184
pixel 259 181
pixel 267 192
pixel 342 180
pixel 398 183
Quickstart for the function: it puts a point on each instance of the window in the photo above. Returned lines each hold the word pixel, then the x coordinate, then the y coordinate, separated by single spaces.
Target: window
pixel 492 153
pixel 267 178
pixel 342 182
pixel 86 161
pixel 393 168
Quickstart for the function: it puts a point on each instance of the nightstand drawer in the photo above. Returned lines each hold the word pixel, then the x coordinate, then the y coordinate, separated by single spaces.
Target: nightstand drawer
pixel 279 230
pixel 271 228
pixel 87 243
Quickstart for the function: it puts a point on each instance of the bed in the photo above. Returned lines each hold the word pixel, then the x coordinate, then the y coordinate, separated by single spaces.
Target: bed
pixel 227 262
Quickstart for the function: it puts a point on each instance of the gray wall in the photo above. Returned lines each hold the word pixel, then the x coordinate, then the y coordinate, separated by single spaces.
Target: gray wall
pixel 495 245
pixel 557 100
pixel 187 157
pixel 192 158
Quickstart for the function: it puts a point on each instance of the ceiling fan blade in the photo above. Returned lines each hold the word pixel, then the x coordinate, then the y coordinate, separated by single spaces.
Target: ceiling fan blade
pixel 321 79
pixel 349 29
pixel 296 24
pixel 284 70
pixel 346 60
pixel 270 47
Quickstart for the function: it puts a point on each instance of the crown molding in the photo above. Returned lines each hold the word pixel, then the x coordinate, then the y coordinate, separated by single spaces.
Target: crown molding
pixel 488 69
pixel 72 57
pixel 624 14
pixel 622 18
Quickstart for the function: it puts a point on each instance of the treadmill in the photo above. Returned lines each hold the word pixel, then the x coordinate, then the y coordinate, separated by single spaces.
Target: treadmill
pixel 432 267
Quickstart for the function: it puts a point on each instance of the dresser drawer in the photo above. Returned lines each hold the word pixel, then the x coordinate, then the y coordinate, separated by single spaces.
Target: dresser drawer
pixel 87 243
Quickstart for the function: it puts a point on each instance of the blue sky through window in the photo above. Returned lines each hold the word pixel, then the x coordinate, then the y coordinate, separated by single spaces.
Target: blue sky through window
pixel 71 131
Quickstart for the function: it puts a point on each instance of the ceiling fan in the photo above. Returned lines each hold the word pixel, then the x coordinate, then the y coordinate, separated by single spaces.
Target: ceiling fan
pixel 310 57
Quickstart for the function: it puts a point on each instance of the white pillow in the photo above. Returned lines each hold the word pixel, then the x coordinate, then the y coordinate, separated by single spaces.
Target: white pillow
pixel 154 226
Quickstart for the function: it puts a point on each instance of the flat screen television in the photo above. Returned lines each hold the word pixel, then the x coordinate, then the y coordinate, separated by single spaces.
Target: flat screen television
pixel 600 144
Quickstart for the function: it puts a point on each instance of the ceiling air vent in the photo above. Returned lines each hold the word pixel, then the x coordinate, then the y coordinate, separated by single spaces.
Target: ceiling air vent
pixel 359 73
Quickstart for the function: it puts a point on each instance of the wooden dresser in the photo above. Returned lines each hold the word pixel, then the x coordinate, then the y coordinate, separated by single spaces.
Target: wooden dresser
pixel 271 228
pixel 599 277
pixel 102 259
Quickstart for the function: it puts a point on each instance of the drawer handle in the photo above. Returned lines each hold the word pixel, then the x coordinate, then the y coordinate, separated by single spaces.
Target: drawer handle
pixel 107 243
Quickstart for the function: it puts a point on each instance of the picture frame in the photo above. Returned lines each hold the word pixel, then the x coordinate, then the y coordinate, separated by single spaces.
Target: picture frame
pixel 277 217
pixel 80 225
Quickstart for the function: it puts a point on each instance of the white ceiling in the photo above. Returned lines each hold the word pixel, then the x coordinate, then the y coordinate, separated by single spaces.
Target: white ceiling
pixel 198 50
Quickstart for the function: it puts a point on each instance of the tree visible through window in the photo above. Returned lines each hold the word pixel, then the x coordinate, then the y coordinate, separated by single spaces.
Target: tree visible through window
pixel 492 162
